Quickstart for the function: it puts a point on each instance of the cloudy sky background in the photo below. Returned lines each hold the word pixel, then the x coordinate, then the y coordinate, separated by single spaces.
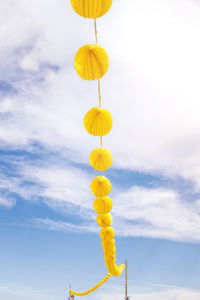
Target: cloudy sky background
pixel 49 236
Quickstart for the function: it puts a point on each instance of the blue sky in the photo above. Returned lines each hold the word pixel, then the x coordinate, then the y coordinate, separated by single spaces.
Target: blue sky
pixel 49 236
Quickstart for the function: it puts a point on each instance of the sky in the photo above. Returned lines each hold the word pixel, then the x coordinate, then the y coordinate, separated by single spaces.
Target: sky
pixel 49 238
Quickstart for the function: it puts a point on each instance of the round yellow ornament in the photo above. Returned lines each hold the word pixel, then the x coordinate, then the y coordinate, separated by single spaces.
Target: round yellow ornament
pixel 110 252
pixel 110 260
pixel 91 8
pixel 115 271
pixel 108 244
pixel 91 62
pixel 104 220
pixel 107 234
pixel 101 159
pixel 100 186
pixel 98 121
pixel 102 205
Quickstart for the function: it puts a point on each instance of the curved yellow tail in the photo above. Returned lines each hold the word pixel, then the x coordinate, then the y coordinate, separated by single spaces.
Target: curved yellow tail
pixel 92 289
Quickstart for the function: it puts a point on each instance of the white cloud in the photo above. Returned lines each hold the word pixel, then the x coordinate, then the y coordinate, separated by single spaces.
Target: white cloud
pixel 174 294
pixel 11 292
pixel 60 187
pixel 151 89
pixel 62 226
pixel 7 202
pixel 148 212
pixel 156 213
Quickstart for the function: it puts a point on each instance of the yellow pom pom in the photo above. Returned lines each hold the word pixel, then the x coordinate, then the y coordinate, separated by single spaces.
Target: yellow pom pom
pixel 101 159
pixel 100 186
pixel 110 252
pixel 110 260
pixel 114 269
pixel 98 121
pixel 104 220
pixel 91 62
pixel 108 244
pixel 102 205
pixel 91 8
pixel 107 234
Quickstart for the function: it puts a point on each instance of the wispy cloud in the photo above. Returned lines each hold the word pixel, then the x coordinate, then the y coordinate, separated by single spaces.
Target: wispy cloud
pixel 54 225
pixel 7 202
pixel 156 212
pixel 11 291
pixel 155 107
pixel 174 294
pixel 155 292
pixel 157 123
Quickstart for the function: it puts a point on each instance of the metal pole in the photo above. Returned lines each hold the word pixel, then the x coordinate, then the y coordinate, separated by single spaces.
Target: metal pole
pixel 126 295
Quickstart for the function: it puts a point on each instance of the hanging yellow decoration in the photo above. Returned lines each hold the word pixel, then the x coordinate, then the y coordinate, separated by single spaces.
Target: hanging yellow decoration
pixel 98 121
pixel 91 62
pixel 113 268
pixel 91 8
pixel 107 234
pixel 104 220
pixel 92 289
pixel 108 244
pixel 102 205
pixel 101 159
pixel 100 186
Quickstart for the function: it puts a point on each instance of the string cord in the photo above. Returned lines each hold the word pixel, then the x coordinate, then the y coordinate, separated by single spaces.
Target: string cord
pixel 99 85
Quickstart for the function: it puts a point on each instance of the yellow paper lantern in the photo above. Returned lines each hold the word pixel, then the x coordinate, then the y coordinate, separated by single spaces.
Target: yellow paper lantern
pixel 91 8
pixel 104 220
pixel 98 121
pixel 116 270
pixel 110 252
pixel 101 159
pixel 91 62
pixel 108 244
pixel 113 268
pixel 110 260
pixel 102 205
pixel 100 186
pixel 107 234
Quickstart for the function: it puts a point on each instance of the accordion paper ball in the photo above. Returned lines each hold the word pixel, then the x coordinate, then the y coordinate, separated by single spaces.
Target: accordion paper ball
pixel 116 270
pixel 91 62
pixel 107 234
pixel 101 159
pixel 98 121
pixel 100 186
pixel 91 8
pixel 104 220
pixel 108 244
pixel 102 205
pixel 109 252
pixel 110 260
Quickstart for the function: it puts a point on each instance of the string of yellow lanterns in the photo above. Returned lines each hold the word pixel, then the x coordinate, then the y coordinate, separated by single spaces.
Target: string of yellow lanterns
pixel 91 63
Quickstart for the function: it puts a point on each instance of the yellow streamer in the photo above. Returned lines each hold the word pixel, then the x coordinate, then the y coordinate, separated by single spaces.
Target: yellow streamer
pixel 91 8
pixel 91 63
pixel 92 289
